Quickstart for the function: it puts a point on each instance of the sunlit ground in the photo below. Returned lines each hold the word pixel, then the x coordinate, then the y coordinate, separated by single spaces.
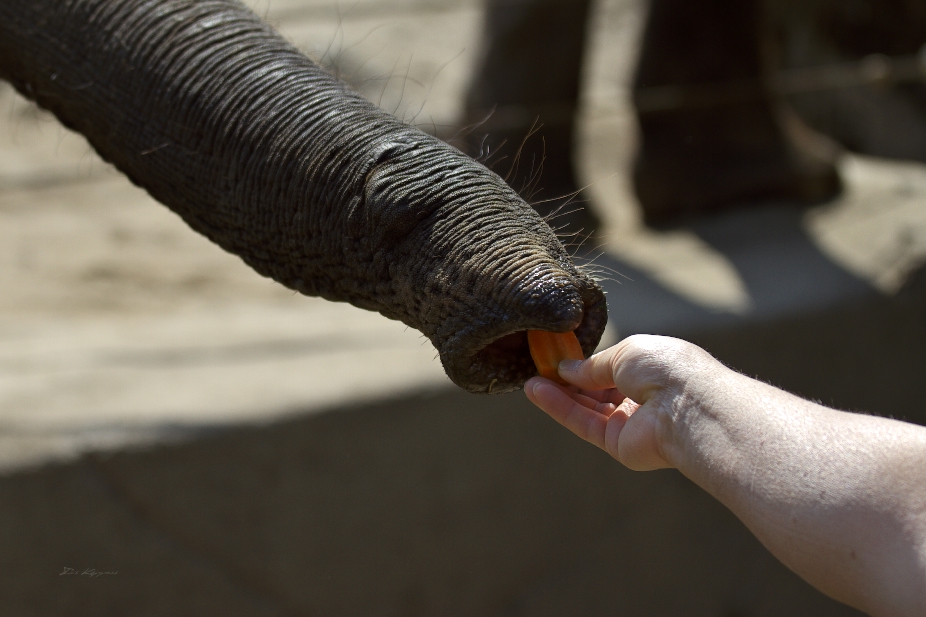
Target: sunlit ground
pixel 120 325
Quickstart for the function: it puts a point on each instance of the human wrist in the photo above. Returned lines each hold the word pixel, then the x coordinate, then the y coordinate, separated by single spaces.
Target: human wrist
pixel 691 408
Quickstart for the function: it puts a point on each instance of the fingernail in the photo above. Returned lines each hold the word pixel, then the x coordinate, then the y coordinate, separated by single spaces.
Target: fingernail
pixel 570 365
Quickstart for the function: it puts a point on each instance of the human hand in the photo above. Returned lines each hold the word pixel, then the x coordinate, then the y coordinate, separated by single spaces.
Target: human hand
pixel 840 498
pixel 622 399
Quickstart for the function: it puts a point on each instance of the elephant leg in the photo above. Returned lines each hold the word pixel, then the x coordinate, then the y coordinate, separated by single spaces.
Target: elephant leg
pixel 712 135
pixel 522 103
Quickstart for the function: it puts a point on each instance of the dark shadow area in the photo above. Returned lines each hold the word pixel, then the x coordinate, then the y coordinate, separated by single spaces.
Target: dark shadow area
pixel 439 504
pixel 867 355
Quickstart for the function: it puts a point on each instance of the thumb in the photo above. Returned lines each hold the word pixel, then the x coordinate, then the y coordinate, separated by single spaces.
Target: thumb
pixel 634 366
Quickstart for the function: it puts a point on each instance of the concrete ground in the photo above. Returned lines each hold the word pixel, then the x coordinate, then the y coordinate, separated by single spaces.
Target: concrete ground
pixel 229 448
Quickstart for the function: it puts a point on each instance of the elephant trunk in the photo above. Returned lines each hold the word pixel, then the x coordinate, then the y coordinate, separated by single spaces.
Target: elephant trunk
pixel 265 153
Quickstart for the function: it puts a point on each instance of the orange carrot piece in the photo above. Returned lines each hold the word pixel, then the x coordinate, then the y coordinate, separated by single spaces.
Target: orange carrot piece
pixel 548 349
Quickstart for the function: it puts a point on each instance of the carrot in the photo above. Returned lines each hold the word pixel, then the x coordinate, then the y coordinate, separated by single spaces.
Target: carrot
pixel 548 349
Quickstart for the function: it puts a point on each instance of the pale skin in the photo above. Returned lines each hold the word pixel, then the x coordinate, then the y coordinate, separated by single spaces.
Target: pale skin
pixel 840 498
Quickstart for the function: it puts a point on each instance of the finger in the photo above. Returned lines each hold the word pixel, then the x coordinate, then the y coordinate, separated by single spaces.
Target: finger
pixel 571 391
pixel 636 367
pixel 604 396
pixel 613 395
pixel 606 406
pixel 628 407
pixel 559 405
pixel 598 371
pixel 634 444
pixel 603 407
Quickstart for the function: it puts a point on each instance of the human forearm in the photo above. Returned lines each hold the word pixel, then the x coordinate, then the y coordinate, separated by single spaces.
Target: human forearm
pixel 840 498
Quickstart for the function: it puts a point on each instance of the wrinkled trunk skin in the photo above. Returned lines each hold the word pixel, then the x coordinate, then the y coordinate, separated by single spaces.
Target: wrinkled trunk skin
pixel 265 153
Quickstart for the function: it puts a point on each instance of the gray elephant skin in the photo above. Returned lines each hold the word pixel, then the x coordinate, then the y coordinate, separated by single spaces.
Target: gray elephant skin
pixel 261 150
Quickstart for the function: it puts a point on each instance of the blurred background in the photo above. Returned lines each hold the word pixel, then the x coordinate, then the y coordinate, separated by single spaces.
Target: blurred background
pixel 753 179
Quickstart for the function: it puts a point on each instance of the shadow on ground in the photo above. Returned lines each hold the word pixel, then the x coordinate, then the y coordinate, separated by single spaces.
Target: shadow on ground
pixel 438 504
